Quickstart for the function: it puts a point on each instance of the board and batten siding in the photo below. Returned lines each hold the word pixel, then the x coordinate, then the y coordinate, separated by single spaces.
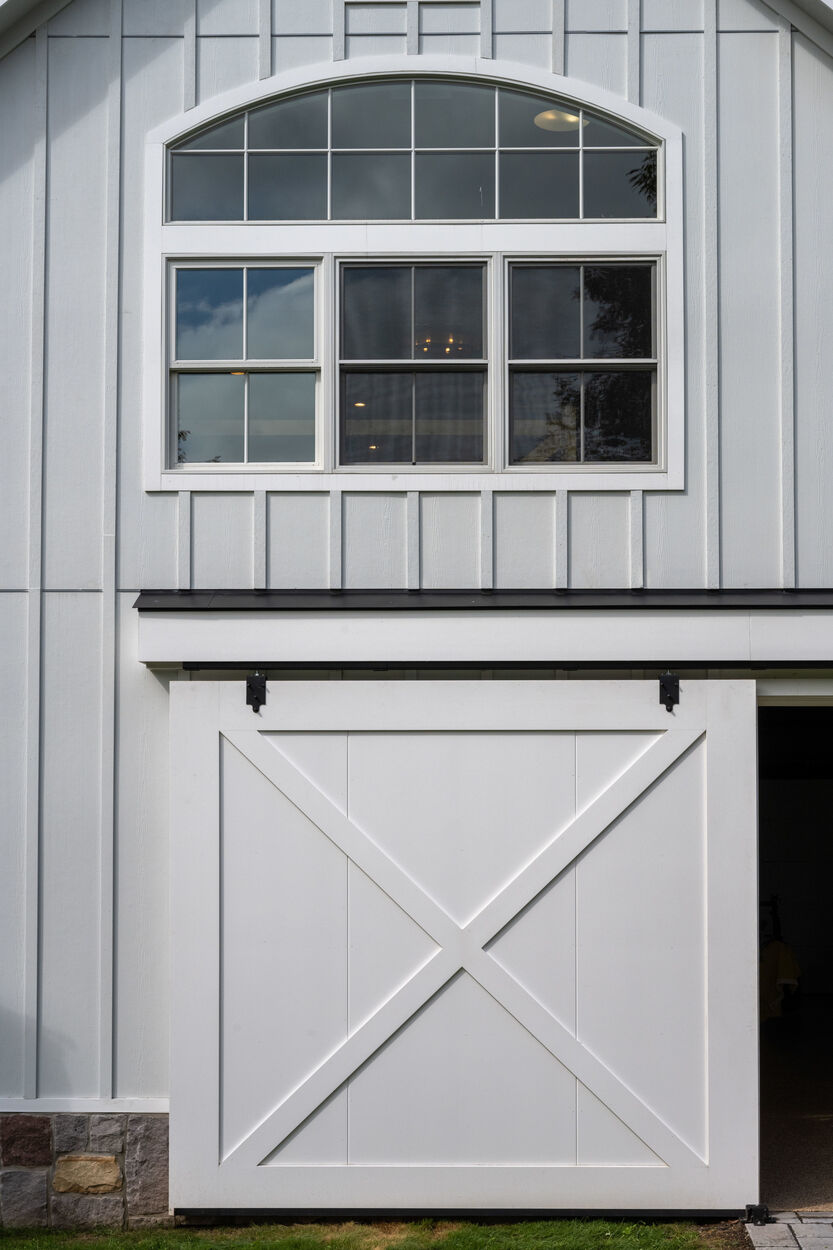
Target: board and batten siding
pixel 84 893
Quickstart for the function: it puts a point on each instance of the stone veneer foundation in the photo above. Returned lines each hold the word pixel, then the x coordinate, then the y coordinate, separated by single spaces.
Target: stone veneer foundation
pixel 83 1171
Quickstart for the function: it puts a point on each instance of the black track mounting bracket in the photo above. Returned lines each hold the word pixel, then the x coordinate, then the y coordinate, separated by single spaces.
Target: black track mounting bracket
pixel 669 690
pixel 256 691
pixel 757 1213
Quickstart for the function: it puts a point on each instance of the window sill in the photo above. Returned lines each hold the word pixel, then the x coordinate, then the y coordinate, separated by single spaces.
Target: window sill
pixel 441 479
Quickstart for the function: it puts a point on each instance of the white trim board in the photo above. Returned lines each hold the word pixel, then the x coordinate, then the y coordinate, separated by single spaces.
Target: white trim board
pixel 577 637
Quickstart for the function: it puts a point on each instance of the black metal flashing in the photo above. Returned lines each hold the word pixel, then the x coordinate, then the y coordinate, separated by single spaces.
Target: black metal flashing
pixel 216 1216
pixel 481 600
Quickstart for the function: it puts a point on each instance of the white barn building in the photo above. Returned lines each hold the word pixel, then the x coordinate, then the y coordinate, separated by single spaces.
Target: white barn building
pixel 459 367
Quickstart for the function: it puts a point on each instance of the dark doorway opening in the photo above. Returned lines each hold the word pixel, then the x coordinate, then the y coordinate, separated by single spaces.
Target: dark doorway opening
pixel 795 759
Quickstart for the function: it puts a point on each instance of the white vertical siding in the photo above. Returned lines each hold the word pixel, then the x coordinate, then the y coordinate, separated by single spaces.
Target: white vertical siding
pixel 71 888
pixel 141 885
pixel 749 309
pixel 76 231
pixel 813 173
pixel 524 540
pixel 599 540
pixel 379 561
pixel 17 171
pixel 221 541
pixel 450 541
pixel 13 627
pixel 672 76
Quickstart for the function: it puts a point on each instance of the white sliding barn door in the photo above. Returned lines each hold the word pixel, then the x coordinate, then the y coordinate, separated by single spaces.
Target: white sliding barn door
pixel 464 945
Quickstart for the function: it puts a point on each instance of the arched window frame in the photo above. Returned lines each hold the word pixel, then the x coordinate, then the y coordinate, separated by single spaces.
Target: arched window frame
pixel 495 242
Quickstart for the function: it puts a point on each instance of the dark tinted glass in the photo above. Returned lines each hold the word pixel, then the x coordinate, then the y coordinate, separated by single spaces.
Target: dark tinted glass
pixel 449 417
pixel 455 185
pixel 279 320
pixel 281 417
pixel 448 312
pixel 544 418
pixel 209 314
pixel 539 184
pixel 454 114
pixel 600 134
pixel 287 186
pixel 207 187
pixel 618 416
pixel 618 311
pixel 372 115
pixel 376 313
pixel 545 321
pixel 226 135
pixel 374 185
pixel 620 184
pixel 376 418
pixel 209 418
pixel 528 121
pixel 298 123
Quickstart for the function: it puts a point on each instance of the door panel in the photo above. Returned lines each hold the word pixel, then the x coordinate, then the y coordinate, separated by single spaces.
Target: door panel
pixel 464 944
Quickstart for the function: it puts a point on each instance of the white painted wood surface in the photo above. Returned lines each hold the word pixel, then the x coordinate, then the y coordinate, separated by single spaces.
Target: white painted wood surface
pixel 439 1077
pixel 726 527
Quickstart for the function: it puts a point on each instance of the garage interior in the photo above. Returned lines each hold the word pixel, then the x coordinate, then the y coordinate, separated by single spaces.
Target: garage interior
pixel 795 752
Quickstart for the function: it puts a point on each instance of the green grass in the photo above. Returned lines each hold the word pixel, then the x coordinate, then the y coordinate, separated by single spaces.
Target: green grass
pixel 422 1235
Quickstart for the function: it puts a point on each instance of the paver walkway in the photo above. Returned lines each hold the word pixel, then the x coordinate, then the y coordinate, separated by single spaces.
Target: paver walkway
pixel 793 1231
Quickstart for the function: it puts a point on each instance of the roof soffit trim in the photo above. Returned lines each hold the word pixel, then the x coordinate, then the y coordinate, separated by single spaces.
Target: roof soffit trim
pixel 21 18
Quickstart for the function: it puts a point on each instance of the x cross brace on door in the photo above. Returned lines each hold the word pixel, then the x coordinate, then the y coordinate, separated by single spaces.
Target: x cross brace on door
pixel 462 947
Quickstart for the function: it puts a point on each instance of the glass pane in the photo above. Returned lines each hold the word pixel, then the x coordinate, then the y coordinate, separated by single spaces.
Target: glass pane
pixel 544 418
pixel 529 121
pixel 454 115
pixel 371 185
pixel 209 314
pixel 282 417
pixel 280 314
pixel 290 186
pixel 298 123
pixel 449 417
pixel 226 135
pixel 539 184
pixel 620 184
pixel 207 188
pixel 376 313
pixel 455 184
pixel 376 418
pixel 209 424
pixel 545 321
pixel 618 311
pixel 372 115
pixel 448 312
pixel 618 416
pixel 600 134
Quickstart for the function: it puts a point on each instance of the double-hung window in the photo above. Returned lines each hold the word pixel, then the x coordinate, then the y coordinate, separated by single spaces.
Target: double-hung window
pixel 422 275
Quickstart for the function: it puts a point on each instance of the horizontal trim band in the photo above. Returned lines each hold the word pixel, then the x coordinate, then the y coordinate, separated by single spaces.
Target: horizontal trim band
pixel 480 600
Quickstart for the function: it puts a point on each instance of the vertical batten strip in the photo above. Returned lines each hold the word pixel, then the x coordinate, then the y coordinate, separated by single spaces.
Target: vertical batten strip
pixel 561 554
pixel 412 28
pixel 634 38
pixel 183 534
pixel 637 557
pixel 336 550
pixel 109 710
pixel 558 19
pixel 412 539
pixel 31 940
pixel 787 303
pixel 487 546
pixel 189 52
pixel 711 297
pixel 486 29
pixel 338 30
pixel 259 540
pixel 264 40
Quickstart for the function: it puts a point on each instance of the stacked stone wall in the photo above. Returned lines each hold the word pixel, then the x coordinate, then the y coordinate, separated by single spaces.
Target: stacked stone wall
pixel 99 1170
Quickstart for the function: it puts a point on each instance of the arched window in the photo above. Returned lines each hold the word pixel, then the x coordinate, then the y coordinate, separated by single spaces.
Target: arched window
pixel 417 275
